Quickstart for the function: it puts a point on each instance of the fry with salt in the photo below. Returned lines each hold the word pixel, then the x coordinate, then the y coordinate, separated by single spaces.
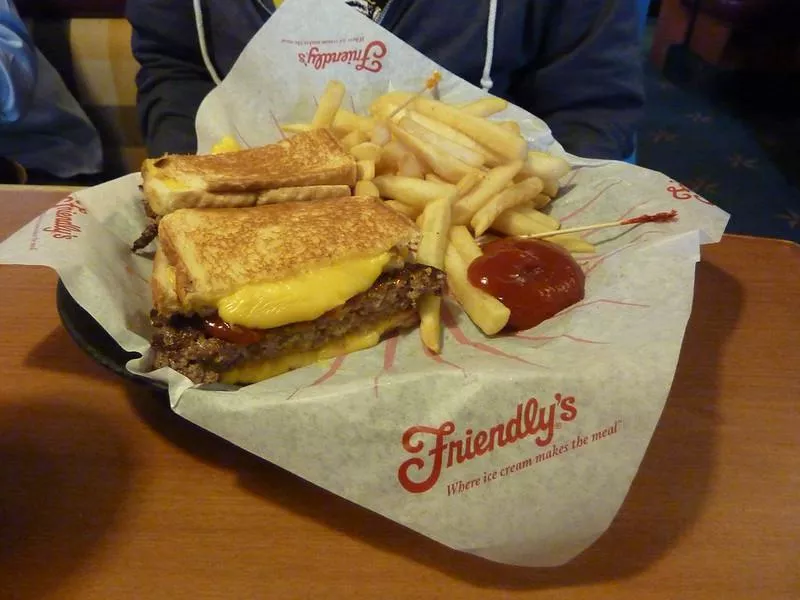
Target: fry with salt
pixel 486 311
pixel 435 177
pixel 508 198
pixel 366 151
pixel 430 322
pixel 485 106
pixel 494 181
pixel 353 139
pixel 296 127
pixel 412 191
pixel 545 165
pixel 412 212
pixel 367 188
pixel 541 201
pixel 365 170
pixel 573 243
pixel 488 133
pixel 538 216
pixel 467 183
pixel 470 157
pixel 464 243
pixel 550 187
pixel 435 226
pixel 349 121
pixel 445 166
pixel 410 166
pixel 328 105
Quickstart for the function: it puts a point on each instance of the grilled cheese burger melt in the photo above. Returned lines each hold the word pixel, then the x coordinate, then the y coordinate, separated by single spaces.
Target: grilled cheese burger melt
pixel 308 166
pixel 353 342
pixel 303 297
pixel 241 295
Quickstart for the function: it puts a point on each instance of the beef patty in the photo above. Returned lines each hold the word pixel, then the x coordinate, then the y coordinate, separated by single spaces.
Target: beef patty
pixel 182 343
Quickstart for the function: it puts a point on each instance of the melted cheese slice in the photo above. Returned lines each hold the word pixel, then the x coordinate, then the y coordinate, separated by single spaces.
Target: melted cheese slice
pixel 225 144
pixel 173 184
pixel 304 297
pixel 260 370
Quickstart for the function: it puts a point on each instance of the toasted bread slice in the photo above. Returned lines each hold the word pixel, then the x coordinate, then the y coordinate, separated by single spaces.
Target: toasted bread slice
pixel 162 284
pixel 303 194
pixel 235 179
pixel 217 251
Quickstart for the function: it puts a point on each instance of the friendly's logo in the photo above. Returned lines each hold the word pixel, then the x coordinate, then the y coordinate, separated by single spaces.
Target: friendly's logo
pixel 367 58
pixel 63 228
pixel 438 448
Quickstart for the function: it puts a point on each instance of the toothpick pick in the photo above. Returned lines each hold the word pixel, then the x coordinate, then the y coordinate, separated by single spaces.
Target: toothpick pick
pixel 430 83
pixel 662 217
pixel 241 137
pixel 277 125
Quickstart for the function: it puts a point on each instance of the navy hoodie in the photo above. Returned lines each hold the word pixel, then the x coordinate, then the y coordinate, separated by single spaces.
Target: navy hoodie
pixel 574 63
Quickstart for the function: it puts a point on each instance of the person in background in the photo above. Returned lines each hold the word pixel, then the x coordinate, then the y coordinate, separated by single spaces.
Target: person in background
pixel 574 63
pixel 42 127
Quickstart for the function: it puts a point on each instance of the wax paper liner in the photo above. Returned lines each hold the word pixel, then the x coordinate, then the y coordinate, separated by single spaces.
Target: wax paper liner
pixel 519 449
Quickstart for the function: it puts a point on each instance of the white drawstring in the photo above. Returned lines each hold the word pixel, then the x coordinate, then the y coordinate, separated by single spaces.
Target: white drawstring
pixel 201 36
pixel 486 78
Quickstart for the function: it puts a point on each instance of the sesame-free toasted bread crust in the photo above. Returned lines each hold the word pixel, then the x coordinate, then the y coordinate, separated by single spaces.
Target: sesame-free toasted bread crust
pixel 312 158
pixel 217 251
pixel 162 285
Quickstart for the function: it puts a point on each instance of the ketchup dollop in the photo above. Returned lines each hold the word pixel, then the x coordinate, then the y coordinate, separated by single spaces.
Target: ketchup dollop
pixel 236 334
pixel 534 279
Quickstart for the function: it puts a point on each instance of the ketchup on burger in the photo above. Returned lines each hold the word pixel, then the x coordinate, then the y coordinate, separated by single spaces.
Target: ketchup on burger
pixel 534 279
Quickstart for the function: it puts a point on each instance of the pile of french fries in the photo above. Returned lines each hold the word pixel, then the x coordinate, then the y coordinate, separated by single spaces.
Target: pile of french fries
pixel 458 174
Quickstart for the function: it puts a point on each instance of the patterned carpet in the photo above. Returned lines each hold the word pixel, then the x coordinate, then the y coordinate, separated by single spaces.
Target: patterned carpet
pixel 733 138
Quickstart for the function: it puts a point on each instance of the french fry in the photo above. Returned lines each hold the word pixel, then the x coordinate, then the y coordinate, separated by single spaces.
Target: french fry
pixel 435 226
pixel 392 156
pixel 465 155
pixel 445 166
pixel 412 212
pixel 410 166
pixel 354 138
pixel 348 121
pixel 544 220
pixel 430 322
pixel 493 159
pixel 296 127
pixel 328 105
pixel 412 191
pixel 365 170
pixel 467 183
pixel 485 132
pixel 380 134
pixel 541 201
pixel 550 187
pixel 494 181
pixel 508 198
pixel 367 188
pixel 515 223
pixel 511 126
pixel 366 151
pixel 573 243
pixel 545 165
pixel 485 106
pixel 454 135
pixel 487 312
pixel 386 104
pixel 464 243
pixel 435 177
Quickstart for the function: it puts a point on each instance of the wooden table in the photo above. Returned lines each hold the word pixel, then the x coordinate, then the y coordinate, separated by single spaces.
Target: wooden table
pixel 105 493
